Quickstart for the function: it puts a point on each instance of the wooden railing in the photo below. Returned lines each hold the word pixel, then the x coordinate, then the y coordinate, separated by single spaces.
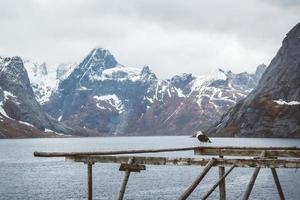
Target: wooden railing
pixel 254 157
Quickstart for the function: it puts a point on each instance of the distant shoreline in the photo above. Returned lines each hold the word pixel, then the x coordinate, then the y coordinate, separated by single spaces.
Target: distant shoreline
pixel 124 136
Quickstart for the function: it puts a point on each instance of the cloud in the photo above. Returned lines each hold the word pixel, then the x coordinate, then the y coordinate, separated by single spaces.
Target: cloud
pixel 171 36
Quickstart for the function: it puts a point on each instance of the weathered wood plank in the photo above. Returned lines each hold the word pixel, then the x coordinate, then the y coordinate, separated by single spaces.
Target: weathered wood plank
pixel 222 187
pixel 125 180
pixel 191 188
pixel 90 179
pixel 223 162
pixel 222 178
pixel 132 167
pixel 277 182
pixel 65 154
pixel 248 152
pixel 213 149
pixel 247 148
pixel 253 179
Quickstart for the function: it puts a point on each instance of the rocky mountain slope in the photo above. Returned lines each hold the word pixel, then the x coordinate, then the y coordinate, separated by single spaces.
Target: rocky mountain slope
pixel 273 108
pixel 20 114
pixel 102 95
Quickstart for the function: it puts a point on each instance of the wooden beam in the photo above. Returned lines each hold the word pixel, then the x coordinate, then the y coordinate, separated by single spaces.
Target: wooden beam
pixel 277 182
pixel 252 180
pixel 222 187
pixel 125 181
pixel 201 149
pixel 247 152
pixel 224 162
pixel 249 148
pixel 66 154
pixel 132 167
pixel 90 180
pixel 218 183
pixel 190 189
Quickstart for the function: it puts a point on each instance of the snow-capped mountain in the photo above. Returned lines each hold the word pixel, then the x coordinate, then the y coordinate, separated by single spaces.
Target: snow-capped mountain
pixel 44 79
pixel 105 96
pixel 197 103
pixel 20 113
pixel 18 107
pixel 100 96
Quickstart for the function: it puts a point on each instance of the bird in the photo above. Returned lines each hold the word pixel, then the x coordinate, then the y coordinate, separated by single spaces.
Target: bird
pixel 202 137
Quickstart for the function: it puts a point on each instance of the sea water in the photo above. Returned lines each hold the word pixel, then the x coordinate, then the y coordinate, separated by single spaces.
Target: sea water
pixel 23 176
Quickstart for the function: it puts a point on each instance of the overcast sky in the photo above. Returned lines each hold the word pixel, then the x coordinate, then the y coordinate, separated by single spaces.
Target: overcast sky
pixel 171 36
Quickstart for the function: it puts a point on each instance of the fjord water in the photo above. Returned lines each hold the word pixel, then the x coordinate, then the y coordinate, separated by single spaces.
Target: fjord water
pixel 23 176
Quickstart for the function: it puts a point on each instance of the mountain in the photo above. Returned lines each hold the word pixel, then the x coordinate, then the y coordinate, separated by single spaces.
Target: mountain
pixel 20 113
pixel 273 108
pixel 102 95
pixel 44 79
pixel 198 103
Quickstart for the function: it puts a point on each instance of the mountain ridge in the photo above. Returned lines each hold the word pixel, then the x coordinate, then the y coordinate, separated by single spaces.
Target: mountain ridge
pixel 100 82
pixel 100 97
pixel 20 113
pixel 273 108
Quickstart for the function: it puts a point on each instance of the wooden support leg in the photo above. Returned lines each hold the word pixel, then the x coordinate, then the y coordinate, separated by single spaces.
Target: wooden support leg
pixel 222 189
pixel 90 180
pixel 187 193
pixel 276 179
pixel 252 180
pixel 218 183
pixel 125 181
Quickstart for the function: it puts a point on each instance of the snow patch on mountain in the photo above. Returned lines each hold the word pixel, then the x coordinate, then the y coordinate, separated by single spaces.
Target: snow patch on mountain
pixel 26 123
pixel 112 100
pixel 199 83
pixel 180 92
pixel 2 111
pixel 290 103
pixel 44 79
pixel 119 73
pixel 57 133
pixel 8 94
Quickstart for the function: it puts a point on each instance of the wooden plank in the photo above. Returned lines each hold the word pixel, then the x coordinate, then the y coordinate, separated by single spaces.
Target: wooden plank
pixel 65 154
pixel 249 148
pixel 251 183
pixel 277 182
pixel 125 181
pixel 207 148
pixel 224 162
pixel 191 188
pixel 218 183
pixel 252 180
pixel 222 189
pixel 90 180
pixel 132 167
pixel 247 152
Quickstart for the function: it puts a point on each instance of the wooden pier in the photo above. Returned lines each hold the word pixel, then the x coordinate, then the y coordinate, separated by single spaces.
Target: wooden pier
pixel 250 157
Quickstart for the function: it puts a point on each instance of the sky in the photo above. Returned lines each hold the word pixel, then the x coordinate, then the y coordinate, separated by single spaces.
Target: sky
pixel 170 36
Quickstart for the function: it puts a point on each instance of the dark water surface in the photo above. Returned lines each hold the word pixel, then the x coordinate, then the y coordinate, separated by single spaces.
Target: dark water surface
pixel 23 176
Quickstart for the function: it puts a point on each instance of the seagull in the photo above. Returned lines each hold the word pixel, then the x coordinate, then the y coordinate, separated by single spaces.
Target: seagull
pixel 202 137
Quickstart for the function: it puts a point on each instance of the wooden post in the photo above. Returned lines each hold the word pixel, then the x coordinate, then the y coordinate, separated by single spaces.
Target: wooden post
pixel 190 189
pixel 276 179
pixel 218 183
pixel 222 189
pixel 125 181
pixel 90 179
pixel 252 180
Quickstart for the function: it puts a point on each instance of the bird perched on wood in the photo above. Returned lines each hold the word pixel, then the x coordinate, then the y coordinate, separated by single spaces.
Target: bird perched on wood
pixel 202 137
